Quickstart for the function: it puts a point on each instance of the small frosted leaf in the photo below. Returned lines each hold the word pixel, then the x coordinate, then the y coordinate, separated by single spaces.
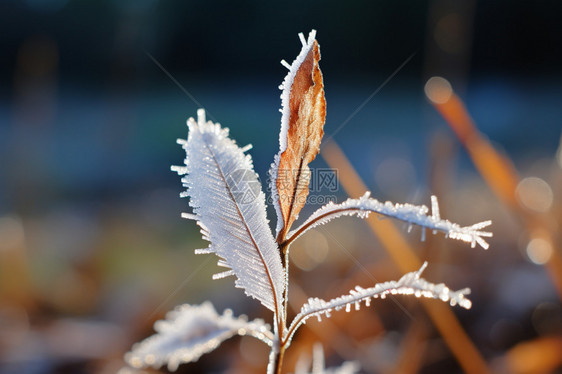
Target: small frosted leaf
pixel 411 214
pixel 190 331
pixel 409 284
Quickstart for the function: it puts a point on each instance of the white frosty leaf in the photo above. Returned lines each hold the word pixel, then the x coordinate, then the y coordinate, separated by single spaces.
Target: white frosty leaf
pixel 285 116
pixel 228 203
pixel 190 331
pixel 409 284
pixel 411 214
pixel 318 365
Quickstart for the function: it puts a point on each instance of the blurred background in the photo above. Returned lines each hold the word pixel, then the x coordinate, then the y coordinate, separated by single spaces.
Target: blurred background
pixel 93 95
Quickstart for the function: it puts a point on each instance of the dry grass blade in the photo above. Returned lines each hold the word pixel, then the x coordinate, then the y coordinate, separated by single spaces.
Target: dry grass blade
pixel 403 255
pixel 541 355
pixel 496 169
pixel 412 351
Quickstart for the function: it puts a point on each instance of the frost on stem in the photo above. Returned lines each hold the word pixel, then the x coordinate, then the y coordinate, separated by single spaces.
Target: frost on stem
pixel 411 214
pixel 409 284
pixel 190 331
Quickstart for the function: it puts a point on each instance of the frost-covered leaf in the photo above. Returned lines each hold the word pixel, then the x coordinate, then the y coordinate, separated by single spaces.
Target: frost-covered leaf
pixel 190 331
pixel 411 214
pixel 229 206
pixel 302 122
pixel 318 365
pixel 409 284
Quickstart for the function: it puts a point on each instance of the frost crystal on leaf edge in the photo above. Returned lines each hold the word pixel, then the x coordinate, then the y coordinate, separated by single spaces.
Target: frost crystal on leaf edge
pixel 285 114
pixel 410 284
pixel 409 213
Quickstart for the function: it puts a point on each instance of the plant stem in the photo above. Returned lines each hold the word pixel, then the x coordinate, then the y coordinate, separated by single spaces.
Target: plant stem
pixel 285 252
pixel 278 363
pixel 278 352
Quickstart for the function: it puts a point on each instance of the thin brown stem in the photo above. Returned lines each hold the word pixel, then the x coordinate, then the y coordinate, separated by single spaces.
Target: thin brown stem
pixel 285 252
pixel 305 226
pixel 279 360
pixel 282 319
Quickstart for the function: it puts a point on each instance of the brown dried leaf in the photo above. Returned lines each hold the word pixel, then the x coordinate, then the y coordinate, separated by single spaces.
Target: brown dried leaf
pixel 306 112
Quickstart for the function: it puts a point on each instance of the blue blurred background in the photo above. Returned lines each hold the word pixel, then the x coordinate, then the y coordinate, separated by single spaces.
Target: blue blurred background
pixel 89 114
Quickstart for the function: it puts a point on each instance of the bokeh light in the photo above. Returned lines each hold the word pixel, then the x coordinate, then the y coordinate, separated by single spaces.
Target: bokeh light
pixel 539 250
pixel 438 90
pixel 311 252
pixel 535 194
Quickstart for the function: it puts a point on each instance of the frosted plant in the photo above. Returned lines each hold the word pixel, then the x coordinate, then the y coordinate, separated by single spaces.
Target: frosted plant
pixel 229 207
